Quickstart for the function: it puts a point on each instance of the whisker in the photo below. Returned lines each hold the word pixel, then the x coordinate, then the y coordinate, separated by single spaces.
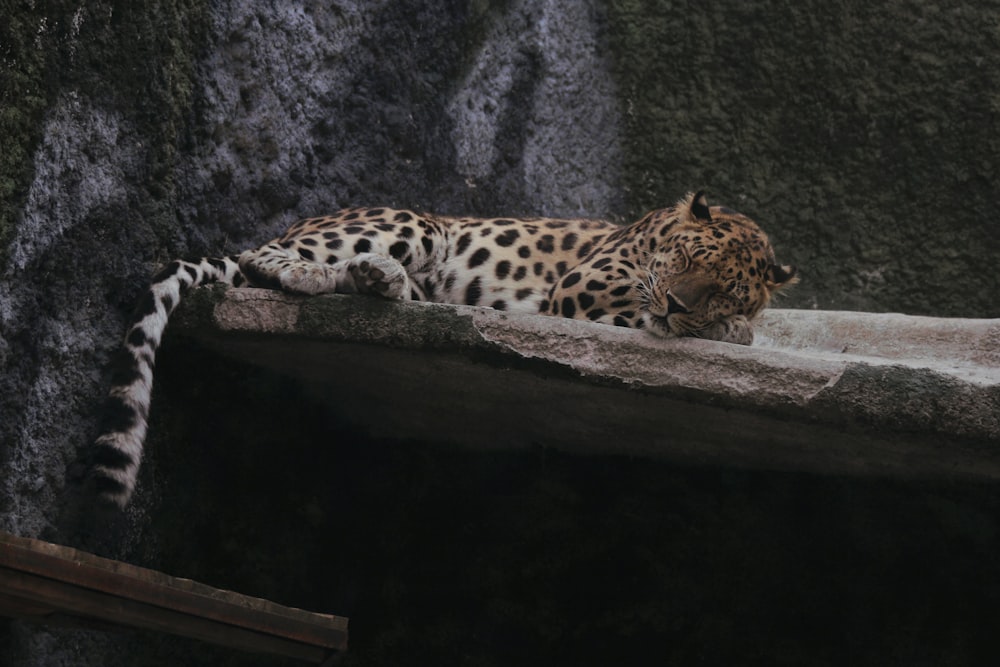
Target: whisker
pixel 647 287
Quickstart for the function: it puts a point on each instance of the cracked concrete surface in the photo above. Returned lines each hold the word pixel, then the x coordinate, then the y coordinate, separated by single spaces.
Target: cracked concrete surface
pixel 821 391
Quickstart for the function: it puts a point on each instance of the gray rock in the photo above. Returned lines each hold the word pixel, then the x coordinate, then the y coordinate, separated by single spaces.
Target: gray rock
pixel 828 392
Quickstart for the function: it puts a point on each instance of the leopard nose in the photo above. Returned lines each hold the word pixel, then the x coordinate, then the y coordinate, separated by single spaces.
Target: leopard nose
pixel 675 306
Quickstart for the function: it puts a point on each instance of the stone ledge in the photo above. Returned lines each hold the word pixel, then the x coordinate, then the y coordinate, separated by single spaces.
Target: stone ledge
pixel 831 392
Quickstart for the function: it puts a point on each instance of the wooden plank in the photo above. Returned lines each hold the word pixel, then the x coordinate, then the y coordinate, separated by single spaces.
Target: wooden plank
pixel 79 583
pixel 13 606
pixel 105 607
pixel 140 584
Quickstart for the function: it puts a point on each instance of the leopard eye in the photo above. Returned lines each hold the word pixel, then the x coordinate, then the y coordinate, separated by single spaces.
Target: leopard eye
pixel 672 262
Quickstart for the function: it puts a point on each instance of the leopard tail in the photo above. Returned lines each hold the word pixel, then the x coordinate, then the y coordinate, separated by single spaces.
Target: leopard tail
pixel 113 458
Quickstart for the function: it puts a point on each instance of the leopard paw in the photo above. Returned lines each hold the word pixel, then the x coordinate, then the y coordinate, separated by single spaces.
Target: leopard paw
pixel 307 278
pixel 377 274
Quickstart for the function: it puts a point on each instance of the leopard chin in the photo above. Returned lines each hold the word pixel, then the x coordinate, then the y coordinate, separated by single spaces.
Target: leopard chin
pixel 659 325
pixel 735 330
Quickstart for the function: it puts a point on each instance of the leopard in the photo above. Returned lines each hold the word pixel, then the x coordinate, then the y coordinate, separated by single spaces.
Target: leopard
pixel 686 271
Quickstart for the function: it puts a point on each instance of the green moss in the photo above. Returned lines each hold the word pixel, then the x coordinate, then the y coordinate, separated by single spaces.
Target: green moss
pixel 23 99
pixel 137 58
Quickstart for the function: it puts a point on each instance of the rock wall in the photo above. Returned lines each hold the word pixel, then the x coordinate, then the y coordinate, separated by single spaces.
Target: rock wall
pixel 181 129
pixel 862 137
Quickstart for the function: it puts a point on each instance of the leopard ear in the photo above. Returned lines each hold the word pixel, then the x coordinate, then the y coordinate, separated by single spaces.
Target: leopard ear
pixel 778 276
pixel 699 207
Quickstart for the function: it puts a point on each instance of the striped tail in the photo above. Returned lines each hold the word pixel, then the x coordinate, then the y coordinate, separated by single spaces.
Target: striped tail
pixel 115 455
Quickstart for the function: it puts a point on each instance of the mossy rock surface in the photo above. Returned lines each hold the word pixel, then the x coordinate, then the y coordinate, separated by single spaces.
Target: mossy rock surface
pixel 861 136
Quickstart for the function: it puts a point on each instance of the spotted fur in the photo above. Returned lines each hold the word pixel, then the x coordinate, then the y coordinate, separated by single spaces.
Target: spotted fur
pixel 687 270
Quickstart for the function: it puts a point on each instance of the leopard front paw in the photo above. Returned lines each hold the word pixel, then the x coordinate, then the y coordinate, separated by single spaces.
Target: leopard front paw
pixel 307 278
pixel 377 274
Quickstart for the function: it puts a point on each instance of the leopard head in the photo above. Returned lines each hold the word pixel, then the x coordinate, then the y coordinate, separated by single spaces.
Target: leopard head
pixel 711 272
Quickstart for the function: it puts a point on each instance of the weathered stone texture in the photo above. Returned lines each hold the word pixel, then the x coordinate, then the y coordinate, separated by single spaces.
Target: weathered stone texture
pixel 862 136
pixel 824 391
